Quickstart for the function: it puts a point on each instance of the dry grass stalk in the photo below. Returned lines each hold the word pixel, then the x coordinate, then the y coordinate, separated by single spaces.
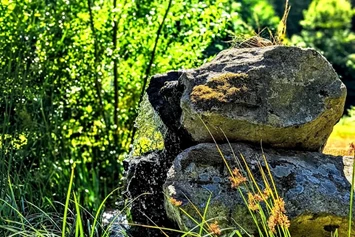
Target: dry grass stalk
pixel 257 41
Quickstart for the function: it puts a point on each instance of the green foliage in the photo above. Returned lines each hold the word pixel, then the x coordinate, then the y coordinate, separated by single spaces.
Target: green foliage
pixel 328 14
pixel 295 16
pixel 150 129
pixel 327 28
pixel 245 19
pixel 72 74
pixel 257 13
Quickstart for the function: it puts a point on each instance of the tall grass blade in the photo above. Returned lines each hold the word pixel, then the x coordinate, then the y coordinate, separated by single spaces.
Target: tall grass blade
pixel 205 213
pixel 281 29
pixel 351 196
pixel 79 225
pixel 45 214
pixel 66 207
pixel 219 150
pixel 269 171
pixel 162 228
pixel 22 218
pixel 125 207
pixel 99 210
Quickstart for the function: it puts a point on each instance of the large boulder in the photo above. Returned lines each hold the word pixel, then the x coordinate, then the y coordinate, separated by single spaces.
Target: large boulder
pixel 313 186
pixel 285 96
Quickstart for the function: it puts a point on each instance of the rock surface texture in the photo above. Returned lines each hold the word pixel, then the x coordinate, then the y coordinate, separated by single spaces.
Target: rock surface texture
pixel 313 186
pixel 146 176
pixel 288 98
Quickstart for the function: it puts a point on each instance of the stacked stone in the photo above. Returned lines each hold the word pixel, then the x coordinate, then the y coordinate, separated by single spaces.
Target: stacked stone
pixel 283 99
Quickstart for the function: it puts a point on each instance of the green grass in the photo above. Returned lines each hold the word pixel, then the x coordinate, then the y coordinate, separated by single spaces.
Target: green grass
pixel 28 219
pixel 343 134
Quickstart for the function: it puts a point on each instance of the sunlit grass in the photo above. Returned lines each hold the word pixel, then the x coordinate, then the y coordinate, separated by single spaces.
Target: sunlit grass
pixel 343 134
pixel 74 221
pixel 341 142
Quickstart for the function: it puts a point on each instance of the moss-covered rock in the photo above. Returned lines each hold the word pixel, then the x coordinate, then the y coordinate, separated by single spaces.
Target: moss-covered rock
pixel 285 96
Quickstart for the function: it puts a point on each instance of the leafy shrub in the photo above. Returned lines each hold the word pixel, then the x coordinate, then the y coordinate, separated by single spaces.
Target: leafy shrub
pixel 72 75
pixel 295 16
pixel 257 13
pixel 327 28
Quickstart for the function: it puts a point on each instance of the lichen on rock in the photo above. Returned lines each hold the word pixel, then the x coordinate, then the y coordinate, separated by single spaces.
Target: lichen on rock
pixel 222 88
pixel 310 183
pixel 280 95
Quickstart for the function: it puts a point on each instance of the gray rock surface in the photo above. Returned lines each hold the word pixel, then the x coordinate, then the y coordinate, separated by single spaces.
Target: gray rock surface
pixel 285 96
pixel 312 184
pixel 115 222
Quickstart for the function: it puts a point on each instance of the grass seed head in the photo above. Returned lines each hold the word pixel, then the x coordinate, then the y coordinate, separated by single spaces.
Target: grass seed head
pixel 214 228
pixel 278 217
pixel 266 193
pixel 253 204
pixel 175 202
pixel 237 178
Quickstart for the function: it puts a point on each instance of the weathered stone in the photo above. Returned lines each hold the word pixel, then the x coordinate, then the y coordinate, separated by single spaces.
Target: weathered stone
pixel 164 93
pixel 145 177
pixel 285 96
pixel 313 186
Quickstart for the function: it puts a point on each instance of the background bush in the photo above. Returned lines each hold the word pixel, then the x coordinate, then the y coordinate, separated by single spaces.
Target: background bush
pixel 327 28
pixel 72 75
